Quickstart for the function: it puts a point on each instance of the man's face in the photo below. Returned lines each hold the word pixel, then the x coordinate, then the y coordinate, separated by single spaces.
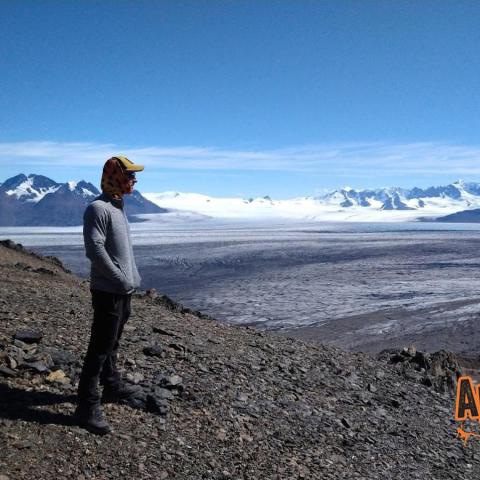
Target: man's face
pixel 131 181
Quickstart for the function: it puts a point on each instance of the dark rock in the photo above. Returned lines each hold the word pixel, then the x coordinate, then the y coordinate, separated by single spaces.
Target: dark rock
pixel 136 398
pixel 44 271
pixel 387 353
pixel 346 423
pixel 56 261
pixel 138 403
pixel 60 358
pixel 38 367
pixel 177 307
pixel 155 350
pixel 397 358
pixel 169 304
pixel 151 293
pixel 28 336
pixel 156 405
pixel 7 372
pixel 163 393
pixel 161 331
pixel 23 266
pixel 39 356
pixel 395 403
pixel 24 346
pixel 168 381
pixel 12 245
pixel 427 381
pixel 178 347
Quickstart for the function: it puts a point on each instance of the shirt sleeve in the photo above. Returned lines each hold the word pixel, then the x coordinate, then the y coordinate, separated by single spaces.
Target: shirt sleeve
pixel 95 226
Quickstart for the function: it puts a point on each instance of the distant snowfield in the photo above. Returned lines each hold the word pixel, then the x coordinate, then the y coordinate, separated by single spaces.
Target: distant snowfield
pixel 308 209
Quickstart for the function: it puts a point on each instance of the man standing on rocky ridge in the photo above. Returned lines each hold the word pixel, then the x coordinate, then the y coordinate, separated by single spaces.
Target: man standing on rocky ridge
pixel 114 277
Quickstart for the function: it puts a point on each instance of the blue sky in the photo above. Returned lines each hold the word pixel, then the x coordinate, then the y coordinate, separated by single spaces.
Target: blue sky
pixel 243 98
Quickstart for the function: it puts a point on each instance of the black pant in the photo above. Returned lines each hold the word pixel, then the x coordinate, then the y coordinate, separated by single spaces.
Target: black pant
pixel 110 313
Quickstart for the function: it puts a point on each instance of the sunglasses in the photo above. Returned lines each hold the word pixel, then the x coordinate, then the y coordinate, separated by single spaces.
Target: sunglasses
pixel 130 175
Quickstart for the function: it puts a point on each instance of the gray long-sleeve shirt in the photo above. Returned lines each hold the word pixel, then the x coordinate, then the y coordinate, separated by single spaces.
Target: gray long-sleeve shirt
pixel 108 245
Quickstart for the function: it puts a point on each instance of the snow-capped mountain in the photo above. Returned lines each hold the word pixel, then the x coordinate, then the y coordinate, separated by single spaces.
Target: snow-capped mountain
pixel 403 199
pixel 347 204
pixel 38 200
pixel 29 189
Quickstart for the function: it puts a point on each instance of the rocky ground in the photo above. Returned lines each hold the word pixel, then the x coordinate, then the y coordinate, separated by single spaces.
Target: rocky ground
pixel 218 402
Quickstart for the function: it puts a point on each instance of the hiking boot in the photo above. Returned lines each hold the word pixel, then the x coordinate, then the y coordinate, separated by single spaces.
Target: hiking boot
pixel 123 391
pixel 91 419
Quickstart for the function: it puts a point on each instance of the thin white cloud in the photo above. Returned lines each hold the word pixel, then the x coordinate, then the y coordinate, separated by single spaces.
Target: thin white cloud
pixel 426 158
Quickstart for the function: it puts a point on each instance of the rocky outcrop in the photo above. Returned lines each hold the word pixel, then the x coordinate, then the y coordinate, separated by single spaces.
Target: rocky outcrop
pixel 18 247
pixel 439 370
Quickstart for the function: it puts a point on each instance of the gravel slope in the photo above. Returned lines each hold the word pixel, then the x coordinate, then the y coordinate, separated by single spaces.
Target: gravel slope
pixel 242 404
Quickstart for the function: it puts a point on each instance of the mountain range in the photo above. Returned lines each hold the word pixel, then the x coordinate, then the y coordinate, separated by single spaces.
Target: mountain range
pixel 346 204
pixel 36 200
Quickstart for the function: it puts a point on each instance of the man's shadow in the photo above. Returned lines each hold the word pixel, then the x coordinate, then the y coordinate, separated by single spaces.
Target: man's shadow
pixel 18 404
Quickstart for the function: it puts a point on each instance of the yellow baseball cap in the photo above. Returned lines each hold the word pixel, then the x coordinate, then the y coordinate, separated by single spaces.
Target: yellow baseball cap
pixel 128 165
